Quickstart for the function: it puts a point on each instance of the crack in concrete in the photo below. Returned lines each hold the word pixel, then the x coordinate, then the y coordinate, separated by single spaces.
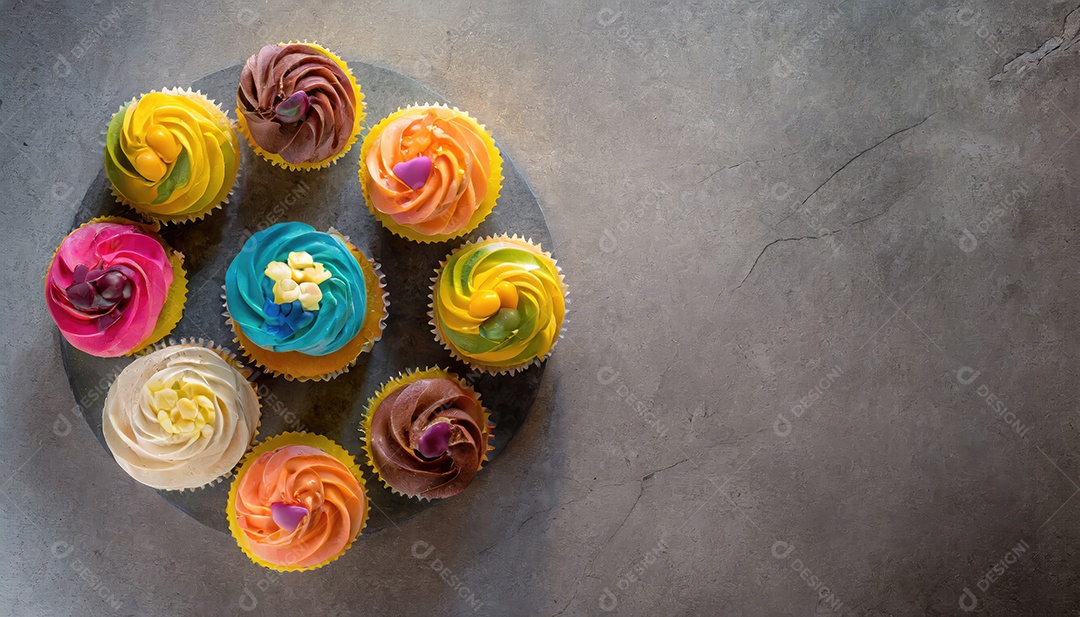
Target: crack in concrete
pixel 859 155
pixel 568 603
pixel 754 161
pixel 1070 35
pixel 653 473
pixel 527 519
pixel 822 185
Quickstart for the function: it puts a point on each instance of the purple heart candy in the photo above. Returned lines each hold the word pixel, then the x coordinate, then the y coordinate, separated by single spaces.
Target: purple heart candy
pixel 287 517
pixel 293 108
pixel 435 440
pixel 415 172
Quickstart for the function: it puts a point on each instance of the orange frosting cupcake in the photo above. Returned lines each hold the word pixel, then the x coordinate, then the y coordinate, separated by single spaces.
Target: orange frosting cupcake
pixel 430 173
pixel 296 506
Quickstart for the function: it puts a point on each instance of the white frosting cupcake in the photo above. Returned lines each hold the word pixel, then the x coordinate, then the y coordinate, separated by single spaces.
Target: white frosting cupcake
pixel 180 417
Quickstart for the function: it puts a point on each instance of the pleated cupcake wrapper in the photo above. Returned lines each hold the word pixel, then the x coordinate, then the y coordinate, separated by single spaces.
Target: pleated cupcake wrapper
pixel 174 219
pixel 402 380
pixel 177 295
pixel 484 368
pixel 381 325
pixel 483 209
pixel 278 441
pixel 357 122
pixel 230 358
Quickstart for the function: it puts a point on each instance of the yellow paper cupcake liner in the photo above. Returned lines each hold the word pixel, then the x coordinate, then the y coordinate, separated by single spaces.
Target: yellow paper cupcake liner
pixel 402 380
pixel 173 308
pixel 484 368
pixel 224 121
pixel 290 364
pixel 495 178
pixel 232 360
pixel 354 135
pixel 278 441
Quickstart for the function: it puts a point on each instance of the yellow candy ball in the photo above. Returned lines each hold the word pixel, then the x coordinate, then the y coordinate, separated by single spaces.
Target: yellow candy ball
pixel 163 142
pixel 508 295
pixel 484 303
pixel 149 165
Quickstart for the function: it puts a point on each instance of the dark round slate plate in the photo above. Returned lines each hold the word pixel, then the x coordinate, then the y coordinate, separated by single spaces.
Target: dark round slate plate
pixel 331 197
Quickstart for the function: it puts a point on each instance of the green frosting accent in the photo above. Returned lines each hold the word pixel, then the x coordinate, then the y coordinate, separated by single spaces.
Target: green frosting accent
pixel 177 177
pixel 114 155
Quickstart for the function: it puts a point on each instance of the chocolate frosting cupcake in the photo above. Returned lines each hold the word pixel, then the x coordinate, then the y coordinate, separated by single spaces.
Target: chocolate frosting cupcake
pixel 298 102
pixel 427 437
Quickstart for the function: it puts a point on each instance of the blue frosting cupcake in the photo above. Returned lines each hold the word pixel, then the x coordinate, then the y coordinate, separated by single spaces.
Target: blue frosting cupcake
pixel 304 303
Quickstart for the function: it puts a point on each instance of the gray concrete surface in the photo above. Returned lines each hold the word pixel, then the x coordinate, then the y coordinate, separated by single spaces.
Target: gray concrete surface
pixel 823 350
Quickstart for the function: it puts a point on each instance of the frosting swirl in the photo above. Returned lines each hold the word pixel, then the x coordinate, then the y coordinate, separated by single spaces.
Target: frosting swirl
pixel 179 417
pixel 107 286
pixel 429 169
pixel 171 154
pixel 298 102
pixel 299 476
pixel 428 438
pixel 499 303
pixel 291 326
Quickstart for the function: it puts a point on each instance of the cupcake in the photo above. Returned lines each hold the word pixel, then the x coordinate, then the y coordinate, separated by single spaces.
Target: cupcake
pixel 304 303
pixel 498 304
pixel 180 417
pixel 430 173
pixel 297 503
pixel 115 287
pixel 299 105
pixel 426 434
pixel 171 155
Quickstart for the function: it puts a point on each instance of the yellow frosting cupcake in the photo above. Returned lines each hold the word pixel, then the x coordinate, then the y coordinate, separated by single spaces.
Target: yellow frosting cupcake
pixel 171 155
pixel 498 304
pixel 430 173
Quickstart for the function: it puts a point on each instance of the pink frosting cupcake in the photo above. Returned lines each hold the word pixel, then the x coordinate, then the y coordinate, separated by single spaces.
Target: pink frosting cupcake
pixel 115 287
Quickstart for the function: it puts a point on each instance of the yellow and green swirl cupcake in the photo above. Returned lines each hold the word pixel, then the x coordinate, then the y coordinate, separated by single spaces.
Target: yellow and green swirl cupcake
pixel 172 155
pixel 498 304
